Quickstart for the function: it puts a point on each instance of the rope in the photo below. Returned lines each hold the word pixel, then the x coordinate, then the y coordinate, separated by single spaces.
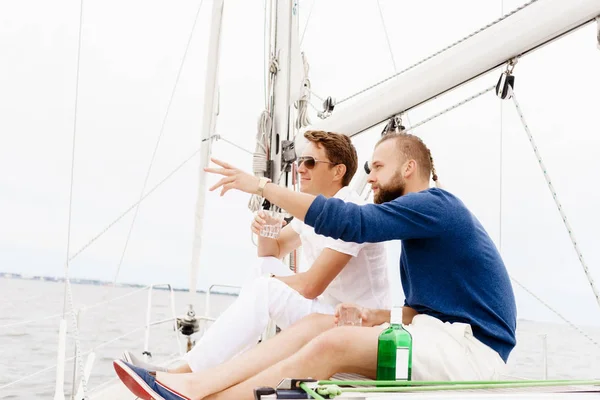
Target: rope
pixel 463 102
pixel 260 157
pixel 275 22
pixel 500 191
pixel 160 135
pixel 154 152
pixel 265 49
pixel 473 386
pixel 572 325
pixel 389 43
pixel 555 197
pixel 124 213
pixel 302 104
pixel 78 356
pixel 331 388
pixel 439 52
pixel 68 293
pixel 311 392
pixel 265 125
pixel 219 137
pixel 31 376
pixel 382 383
pixel 30 321
pixel 317 96
pixel 330 391
pixel 73 153
pixel 313 106
pixel 312 6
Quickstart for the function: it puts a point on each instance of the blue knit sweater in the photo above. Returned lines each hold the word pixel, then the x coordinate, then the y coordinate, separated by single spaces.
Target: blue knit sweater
pixel 449 266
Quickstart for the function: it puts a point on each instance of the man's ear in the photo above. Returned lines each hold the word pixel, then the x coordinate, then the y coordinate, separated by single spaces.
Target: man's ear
pixel 340 171
pixel 409 168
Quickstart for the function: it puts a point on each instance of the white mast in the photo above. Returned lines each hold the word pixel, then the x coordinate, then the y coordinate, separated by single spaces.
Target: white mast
pixel 527 29
pixel 209 119
pixel 283 54
pixel 285 30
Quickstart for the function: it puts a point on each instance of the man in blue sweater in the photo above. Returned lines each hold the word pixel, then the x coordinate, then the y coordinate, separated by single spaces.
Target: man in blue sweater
pixel 460 304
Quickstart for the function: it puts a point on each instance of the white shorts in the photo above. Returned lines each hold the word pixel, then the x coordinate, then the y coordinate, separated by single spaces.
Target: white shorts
pixel 444 351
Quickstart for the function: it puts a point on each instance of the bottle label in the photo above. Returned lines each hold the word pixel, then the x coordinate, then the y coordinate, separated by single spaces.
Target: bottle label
pixel 402 363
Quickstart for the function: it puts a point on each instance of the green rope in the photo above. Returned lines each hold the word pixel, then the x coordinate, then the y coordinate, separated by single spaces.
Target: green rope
pixel 433 383
pixel 463 386
pixel 311 392
pixel 330 389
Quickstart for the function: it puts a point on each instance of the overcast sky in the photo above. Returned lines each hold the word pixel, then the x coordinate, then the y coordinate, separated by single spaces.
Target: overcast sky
pixel 130 55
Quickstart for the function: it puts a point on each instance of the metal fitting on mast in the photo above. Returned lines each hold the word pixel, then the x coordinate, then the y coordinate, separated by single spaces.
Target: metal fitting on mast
pixel 506 83
pixel 393 125
pixel 328 106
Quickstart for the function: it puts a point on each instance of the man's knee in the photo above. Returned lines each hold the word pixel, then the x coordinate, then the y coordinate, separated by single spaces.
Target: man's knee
pixel 331 343
pixel 321 320
pixel 309 327
pixel 314 324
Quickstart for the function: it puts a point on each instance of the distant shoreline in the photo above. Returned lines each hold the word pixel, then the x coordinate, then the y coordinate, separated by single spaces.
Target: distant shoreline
pixel 94 282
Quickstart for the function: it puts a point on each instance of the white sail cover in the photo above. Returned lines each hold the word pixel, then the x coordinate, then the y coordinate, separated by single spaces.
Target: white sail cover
pixel 530 27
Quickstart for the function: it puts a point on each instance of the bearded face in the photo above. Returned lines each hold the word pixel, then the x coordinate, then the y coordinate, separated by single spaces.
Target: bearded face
pixel 391 190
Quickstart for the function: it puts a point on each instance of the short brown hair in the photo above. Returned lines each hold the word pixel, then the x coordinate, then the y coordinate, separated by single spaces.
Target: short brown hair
pixel 413 148
pixel 339 150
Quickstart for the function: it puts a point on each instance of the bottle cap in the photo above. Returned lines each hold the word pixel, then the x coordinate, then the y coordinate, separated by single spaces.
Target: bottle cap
pixel 396 315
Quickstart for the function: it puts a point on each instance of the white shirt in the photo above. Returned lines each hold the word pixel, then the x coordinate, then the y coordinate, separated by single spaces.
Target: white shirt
pixel 364 280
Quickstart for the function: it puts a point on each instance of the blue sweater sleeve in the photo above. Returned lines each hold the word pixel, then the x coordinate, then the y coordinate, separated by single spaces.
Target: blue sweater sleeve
pixel 412 216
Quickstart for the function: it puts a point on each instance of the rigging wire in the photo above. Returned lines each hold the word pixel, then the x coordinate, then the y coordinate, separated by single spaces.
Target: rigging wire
pixel 68 293
pixel 438 52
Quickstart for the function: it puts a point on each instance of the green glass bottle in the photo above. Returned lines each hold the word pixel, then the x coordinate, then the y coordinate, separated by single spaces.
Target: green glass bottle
pixel 394 351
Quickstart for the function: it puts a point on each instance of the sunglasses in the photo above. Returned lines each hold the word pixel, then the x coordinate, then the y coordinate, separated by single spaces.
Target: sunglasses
pixel 310 162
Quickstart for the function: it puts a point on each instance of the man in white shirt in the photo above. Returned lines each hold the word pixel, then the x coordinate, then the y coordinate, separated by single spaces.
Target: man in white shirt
pixel 336 271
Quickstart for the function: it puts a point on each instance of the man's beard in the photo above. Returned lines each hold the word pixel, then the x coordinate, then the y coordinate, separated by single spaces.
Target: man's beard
pixel 390 192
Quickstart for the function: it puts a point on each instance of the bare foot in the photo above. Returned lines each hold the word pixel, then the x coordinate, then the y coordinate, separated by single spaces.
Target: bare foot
pixel 182 369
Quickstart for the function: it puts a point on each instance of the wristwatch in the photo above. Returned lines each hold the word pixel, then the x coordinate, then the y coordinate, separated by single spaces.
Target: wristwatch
pixel 261 185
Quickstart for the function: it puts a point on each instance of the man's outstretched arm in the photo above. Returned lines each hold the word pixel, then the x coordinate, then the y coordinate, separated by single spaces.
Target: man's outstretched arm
pixel 294 203
pixel 403 218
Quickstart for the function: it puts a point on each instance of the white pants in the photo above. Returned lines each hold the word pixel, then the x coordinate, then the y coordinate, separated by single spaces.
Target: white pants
pixel 444 351
pixel 240 326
